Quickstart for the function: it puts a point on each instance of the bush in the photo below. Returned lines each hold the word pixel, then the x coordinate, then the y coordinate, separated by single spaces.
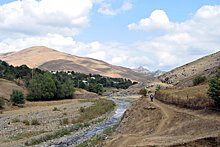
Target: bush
pixel 214 89
pixel 55 109
pixel 64 121
pixel 26 122
pixel 15 120
pixel 17 97
pixel 2 102
pixel 143 92
pixel 198 80
pixel 86 124
pixel 82 109
pixel 73 121
pixel 35 122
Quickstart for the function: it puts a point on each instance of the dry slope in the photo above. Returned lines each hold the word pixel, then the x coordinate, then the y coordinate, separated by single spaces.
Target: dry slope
pixel 182 76
pixel 157 124
pixel 49 59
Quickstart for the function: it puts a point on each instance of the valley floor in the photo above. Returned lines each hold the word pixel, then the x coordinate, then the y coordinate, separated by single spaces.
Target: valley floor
pixel 14 127
pixel 159 124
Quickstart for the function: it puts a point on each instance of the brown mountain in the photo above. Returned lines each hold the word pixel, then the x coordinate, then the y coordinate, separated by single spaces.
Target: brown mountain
pixel 49 59
pixel 183 76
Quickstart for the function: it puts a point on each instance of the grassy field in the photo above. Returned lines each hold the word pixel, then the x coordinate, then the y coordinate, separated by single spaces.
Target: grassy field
pixel 190 97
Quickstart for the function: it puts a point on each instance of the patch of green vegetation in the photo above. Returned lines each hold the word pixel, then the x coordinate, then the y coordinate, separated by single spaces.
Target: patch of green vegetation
pixel 56 134
pixel 198 80
pixel 98 120
pixel 98 139
pixel 16 120
pixel 64 121
pixel 93 142
pixel 100 107
pixel 26 135
pixel 55 109
pixel 82 109
pixel 35 122
pixel 17 97
pixel 214 89
pixel 110 130
pixel 26 122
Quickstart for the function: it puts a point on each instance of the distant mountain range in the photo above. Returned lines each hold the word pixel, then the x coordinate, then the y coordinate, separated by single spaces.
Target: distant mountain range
pixel 50 59
pixel 143 70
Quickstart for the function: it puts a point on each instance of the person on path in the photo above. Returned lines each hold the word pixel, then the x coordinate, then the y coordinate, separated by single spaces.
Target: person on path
pixel 151 97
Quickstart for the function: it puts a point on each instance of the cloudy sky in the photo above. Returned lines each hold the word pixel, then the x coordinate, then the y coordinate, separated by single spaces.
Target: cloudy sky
pixel 158 34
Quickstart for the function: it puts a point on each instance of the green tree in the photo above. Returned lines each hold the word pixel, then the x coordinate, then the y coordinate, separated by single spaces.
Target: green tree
pixel 42 87
pixel 214 89
pixel 17 97
pixel 67 89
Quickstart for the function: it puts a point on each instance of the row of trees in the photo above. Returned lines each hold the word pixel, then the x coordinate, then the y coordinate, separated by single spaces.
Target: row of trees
pixel 44 85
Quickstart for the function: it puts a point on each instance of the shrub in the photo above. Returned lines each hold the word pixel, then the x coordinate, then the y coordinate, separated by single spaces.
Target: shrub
pixel 158 87
pixel 73 121
pixel 55 109
pixel 214 89
pixel 2 102
pixel 82 109
pixel 26 122
pixel 143 92
pixel 86 124
pixel 17 97
pixel 15 120
pixel 64 121
pixel 198 80
pixel 35 122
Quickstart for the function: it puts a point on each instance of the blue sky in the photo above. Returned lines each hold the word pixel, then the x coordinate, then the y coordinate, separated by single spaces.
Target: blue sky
pixel 177 10
pixel 157 34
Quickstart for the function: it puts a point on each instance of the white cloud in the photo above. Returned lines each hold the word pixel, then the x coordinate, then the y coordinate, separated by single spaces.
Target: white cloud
pixel 107 9
pixel 32 17
pixel 158 20
pixel 182 42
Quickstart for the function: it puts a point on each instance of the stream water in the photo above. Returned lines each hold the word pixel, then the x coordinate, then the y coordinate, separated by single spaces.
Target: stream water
pixel 122 107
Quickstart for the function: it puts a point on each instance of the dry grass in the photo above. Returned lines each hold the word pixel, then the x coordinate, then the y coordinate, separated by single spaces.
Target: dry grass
pixel 190 97
pixel 6 88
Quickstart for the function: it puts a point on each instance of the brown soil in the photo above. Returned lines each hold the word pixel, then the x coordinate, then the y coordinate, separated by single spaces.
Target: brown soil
pixel 6 88
pixel 158 124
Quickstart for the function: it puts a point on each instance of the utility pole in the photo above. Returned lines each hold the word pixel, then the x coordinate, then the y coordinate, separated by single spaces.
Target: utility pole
pixel 32 73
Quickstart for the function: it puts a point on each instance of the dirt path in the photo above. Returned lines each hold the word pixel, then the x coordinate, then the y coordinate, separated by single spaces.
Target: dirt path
pixel 164 126
pixel 168 114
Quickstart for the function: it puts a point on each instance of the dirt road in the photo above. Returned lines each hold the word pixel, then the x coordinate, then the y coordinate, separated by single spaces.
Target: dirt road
pixel 158 124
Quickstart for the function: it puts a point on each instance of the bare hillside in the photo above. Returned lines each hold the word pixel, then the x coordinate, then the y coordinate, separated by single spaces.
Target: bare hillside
pixel 6 88
pixel 182 76
pixel 49 59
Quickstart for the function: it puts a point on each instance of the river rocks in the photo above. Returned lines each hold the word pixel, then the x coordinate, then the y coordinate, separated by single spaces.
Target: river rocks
pixel 48 119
